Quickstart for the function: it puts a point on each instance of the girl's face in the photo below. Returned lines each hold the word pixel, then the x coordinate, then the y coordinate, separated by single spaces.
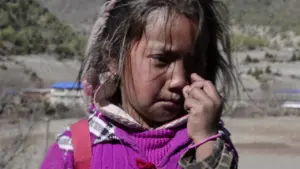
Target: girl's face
pixel 161 62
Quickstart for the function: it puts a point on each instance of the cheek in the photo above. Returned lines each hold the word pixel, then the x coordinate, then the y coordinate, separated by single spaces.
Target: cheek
pixel 146 93
pixel 147 80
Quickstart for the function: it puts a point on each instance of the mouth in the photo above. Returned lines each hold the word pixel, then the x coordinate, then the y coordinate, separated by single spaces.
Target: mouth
pixel 172 103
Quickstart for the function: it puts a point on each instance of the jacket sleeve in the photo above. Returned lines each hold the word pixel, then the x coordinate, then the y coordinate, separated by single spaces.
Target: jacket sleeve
pixel 221 158
pixel 57 159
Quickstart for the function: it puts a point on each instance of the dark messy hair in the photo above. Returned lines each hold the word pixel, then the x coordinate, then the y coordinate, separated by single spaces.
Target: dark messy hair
pixel 127 21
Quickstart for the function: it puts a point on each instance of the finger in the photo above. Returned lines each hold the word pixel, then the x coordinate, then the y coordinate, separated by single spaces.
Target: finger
pixel 186 91
pixel 190 104
pixel 212 92
pixel 195 77
pixel 199 94
pixel 198 84
pixel 202 98
pixel 208 87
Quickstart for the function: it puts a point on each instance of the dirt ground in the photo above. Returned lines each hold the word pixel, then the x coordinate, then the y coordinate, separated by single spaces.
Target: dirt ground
pixel 267 143
pixel 264 143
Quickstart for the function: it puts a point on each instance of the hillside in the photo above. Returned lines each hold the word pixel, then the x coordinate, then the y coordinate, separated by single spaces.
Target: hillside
pixel 278 13
pixel 257 23
pixel 283 14
pixel 35 26
pixel 28 28
pixel 80 14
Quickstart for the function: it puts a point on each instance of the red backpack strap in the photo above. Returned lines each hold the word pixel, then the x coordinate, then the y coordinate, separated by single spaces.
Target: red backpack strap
pixel 82 146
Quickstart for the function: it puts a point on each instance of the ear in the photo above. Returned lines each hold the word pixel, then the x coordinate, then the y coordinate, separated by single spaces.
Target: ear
pixel 113 66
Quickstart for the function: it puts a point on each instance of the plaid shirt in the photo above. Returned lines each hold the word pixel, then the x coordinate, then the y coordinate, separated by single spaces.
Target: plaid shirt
pixel 221 158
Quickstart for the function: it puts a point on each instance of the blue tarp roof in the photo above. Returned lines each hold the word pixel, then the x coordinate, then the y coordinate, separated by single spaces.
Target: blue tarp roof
pixel 67 85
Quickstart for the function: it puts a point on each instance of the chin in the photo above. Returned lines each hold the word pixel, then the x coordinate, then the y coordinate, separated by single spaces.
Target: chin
pixel 163 112
pixel 165 116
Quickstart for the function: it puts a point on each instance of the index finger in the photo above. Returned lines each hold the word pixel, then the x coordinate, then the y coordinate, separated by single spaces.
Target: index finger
pixel 211 91
pixel 195 77
pixel 208 87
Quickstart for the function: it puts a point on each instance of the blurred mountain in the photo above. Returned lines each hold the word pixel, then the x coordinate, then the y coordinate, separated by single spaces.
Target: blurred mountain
pixel 283 14
pixel 278 13
pixel 26 27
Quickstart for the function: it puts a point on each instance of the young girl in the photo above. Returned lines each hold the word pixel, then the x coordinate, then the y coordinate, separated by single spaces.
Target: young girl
pixel 152 66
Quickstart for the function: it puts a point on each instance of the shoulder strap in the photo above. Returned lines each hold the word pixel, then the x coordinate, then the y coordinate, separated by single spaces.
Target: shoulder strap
pixel 82 146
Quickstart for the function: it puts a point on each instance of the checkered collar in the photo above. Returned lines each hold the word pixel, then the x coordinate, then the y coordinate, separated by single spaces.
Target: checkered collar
pixel 100 131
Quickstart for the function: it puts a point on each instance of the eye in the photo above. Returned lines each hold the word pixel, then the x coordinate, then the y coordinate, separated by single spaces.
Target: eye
pixel 160 60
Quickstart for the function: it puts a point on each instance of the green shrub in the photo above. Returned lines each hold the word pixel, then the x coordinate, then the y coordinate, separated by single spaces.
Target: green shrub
pixel 269 56
pixel 248 59
pixel 3 67
pixel 284 36
pixel 256 73
pixel 63 52
pixel 268 70
pixel 4 21
pixel 289 43
pixel 277 74
pixel 240 41
pixel 295 58
pixel 49 109
pixel 8 34
pixel 297 30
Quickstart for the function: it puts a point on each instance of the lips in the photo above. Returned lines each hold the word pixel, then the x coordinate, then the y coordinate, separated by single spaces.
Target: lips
pixel 171 102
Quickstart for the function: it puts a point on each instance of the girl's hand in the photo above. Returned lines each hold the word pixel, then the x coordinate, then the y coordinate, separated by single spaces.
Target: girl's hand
pixel 203 103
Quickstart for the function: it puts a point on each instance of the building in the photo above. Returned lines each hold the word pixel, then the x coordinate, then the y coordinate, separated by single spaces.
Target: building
pixel 68 93
pixel 289 97
pixel 35 94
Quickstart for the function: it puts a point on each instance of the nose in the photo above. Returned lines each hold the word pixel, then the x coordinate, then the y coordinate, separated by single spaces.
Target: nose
pixel 177 76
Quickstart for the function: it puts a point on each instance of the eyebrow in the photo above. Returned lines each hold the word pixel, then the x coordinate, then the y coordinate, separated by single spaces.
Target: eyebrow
pixel 158 46
pixel 162 46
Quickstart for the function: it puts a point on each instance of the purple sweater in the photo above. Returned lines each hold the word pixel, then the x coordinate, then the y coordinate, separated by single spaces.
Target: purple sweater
pixel 118 141
pixel 116 147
